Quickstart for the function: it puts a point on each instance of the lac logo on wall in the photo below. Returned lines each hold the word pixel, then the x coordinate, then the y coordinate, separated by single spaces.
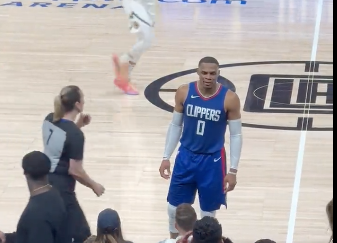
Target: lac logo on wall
pixel 304 96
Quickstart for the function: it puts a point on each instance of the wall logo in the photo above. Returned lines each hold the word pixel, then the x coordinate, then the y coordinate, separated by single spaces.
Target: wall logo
pixel 306 97
pixel 98 4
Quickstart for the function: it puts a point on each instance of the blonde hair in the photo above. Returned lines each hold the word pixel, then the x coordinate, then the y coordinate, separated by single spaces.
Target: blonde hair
pixel 105 239
pixel 66 101
pixel 329 211
pixel 58 110
pixel 91 239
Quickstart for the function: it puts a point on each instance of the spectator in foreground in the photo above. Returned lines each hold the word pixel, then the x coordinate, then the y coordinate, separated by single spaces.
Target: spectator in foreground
pixel 206 230
pixel 43 220
pixel 329 211
pixel 185 219
pixel 109 228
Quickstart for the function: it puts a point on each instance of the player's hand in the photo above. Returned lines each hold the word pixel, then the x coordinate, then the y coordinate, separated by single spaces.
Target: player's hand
pixel 98 189
pixel 165 169
pixel 83 120
pixel 2 237
pixel 230 183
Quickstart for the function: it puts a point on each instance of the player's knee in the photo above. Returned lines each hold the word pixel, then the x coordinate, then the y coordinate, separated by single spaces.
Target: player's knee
pixel 125 58
pixel 210 214
pixel 171 210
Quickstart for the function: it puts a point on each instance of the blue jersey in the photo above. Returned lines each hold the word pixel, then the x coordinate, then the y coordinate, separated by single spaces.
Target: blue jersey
pixel 205 121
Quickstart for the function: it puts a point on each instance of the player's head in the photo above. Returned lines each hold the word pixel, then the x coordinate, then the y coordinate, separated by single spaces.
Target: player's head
pixel 185 218
pixel 207 230
pixel 208 71
pixel 109 227
pixel 265 241
pixel 36 166
pixel 329 211
pixel 70 99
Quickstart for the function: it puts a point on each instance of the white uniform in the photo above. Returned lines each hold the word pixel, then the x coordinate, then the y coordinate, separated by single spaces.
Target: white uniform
pixel 141 22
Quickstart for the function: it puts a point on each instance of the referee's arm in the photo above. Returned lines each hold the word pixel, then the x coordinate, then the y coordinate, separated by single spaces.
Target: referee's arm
pixel 76 151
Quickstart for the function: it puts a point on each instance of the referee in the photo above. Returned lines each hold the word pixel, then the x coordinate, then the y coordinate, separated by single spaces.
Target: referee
pixel 44 219
pixel 64 144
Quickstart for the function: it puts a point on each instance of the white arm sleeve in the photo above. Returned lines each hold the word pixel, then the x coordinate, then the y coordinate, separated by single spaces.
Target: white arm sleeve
pixel 235 143
pixel 173 134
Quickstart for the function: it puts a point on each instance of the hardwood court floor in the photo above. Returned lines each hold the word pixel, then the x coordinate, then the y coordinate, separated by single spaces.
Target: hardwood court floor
pixel 43 49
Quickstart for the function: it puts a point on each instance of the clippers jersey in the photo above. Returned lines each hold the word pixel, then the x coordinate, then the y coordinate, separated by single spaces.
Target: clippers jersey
pixel 205 121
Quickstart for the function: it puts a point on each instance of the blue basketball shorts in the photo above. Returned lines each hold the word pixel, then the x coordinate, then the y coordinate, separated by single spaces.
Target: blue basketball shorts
pixel 204 173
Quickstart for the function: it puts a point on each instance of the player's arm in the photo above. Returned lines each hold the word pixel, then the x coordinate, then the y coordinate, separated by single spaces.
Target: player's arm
pixel 76 141
pixel 233 108
pixel 175 128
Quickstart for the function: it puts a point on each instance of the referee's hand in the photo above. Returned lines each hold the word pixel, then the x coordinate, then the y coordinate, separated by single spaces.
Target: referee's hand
pixel 83 120
pixel 98 189
pixel 2 237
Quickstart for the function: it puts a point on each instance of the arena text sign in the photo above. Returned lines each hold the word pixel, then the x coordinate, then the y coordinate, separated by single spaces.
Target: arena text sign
pixel 100 4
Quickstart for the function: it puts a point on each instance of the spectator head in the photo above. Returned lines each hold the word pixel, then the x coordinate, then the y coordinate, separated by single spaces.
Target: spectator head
pixel 329 211
pixel 185 218
pixel 36 166
pixel 206 230
pixel 109 227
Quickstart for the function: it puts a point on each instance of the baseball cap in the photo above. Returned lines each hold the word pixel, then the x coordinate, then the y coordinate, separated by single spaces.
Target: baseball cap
pixel 108 218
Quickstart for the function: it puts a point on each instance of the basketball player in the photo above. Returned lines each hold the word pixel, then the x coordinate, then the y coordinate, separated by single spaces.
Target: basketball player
pixel 64 144
pixel 44 218
pixel 205 108
pixel 141 15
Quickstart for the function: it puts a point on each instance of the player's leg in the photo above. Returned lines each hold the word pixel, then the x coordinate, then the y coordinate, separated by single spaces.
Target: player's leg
pixel 212 170
pixel 145 37
pixel 141 23
pixel 182 187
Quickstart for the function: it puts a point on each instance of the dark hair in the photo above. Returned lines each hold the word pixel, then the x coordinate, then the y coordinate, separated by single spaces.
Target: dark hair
pixel 65 101
pixel 265 241
pixel 207 230
pixel 329 211
pixel 209 60
pixel 226 240
pixel 36 165
pixel 186 216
